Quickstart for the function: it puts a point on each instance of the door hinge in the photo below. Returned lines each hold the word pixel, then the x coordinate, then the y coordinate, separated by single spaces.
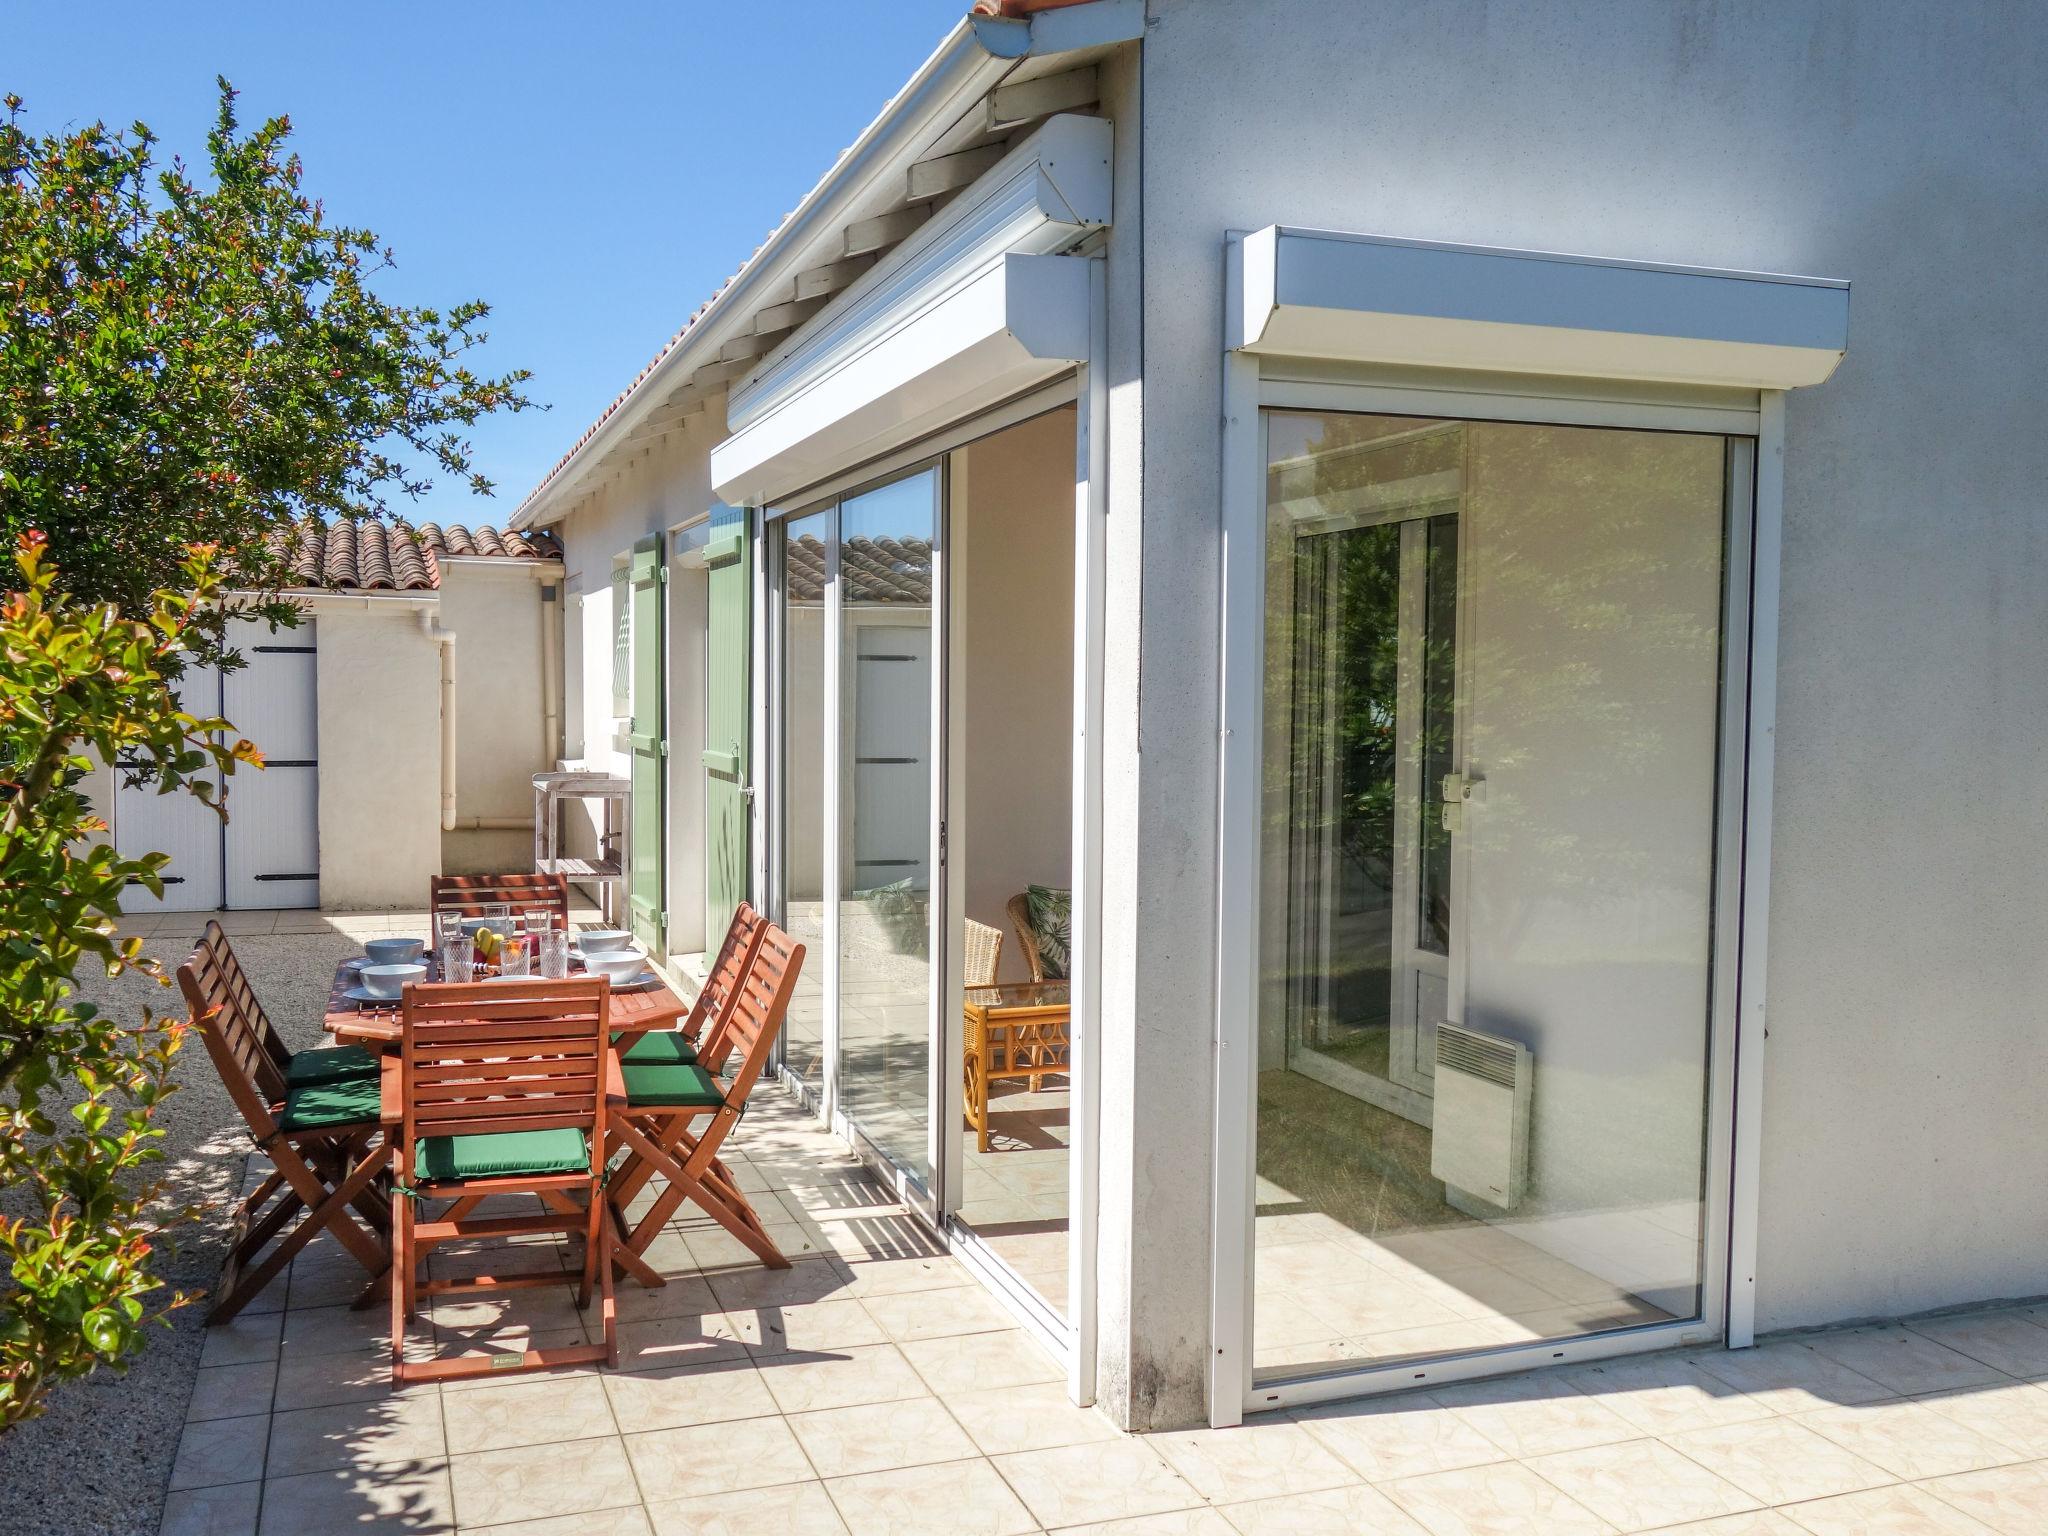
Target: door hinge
pixel 1460 790
pixel 663 748
pixel 942 845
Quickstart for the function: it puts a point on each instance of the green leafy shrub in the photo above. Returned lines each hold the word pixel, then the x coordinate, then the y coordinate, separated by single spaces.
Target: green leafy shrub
pixel 77 1086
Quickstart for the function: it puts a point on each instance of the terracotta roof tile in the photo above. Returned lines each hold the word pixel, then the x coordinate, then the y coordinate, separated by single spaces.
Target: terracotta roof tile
pixel 367 556
pixel 873 570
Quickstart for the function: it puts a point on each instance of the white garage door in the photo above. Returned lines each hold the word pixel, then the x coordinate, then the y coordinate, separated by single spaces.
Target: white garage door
pixel 268 854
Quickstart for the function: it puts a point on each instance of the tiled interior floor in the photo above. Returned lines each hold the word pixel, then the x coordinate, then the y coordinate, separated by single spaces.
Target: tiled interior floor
pixel 875 1389
pixel 1014 1196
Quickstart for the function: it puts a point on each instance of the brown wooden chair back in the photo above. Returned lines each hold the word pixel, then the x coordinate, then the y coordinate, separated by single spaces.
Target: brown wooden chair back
pixel 225 1010
pixel 468 895
pixel 481 1057
pixel 758 1011
pixel 712 1011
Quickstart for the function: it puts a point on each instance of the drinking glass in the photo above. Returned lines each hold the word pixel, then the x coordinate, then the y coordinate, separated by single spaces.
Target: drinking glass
pixel 458 958
pixel 497 915
pixel 447 925
pixel 513 956
pixel 554 955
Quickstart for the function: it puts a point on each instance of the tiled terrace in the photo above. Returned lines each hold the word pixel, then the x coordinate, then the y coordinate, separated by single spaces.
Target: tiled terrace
pixel 876 1389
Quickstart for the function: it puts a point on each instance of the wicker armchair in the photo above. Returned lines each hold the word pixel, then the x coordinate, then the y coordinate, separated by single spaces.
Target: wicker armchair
pixel 984 955
pixel 1027 934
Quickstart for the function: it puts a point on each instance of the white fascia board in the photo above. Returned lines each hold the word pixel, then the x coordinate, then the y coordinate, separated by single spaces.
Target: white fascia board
pixel 1367 298
pixel 1044 196
pixel 1019 322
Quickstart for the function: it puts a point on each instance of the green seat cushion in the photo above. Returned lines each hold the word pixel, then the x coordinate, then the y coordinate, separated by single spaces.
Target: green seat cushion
pixel 321 1106
pixel 501 1154
pixel 664 1048
pixel 681 1083
pixel 334 1064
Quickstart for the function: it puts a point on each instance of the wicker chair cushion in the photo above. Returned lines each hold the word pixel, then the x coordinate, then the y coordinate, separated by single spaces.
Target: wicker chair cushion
pixel 502 1154
pixel 335 1064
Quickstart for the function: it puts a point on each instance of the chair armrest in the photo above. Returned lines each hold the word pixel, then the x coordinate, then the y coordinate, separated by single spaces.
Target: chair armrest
pixel 391 1090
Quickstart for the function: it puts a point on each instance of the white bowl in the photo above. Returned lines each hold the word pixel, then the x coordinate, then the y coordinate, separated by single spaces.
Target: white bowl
pixel 389 980
pixel 620 965
pixel 471 924
pixel 393 951
pixel 601 939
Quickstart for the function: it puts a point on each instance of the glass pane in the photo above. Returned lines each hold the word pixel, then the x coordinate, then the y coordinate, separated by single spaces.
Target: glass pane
pixel 885 787
pixel 1535 610
pixel 803 779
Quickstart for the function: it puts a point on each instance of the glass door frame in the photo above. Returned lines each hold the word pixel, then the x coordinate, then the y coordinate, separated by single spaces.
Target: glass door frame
pixel 1753 428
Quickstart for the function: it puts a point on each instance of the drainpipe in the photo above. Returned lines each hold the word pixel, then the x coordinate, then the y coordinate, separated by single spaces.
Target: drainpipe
pixel 444 639
pixel 550 662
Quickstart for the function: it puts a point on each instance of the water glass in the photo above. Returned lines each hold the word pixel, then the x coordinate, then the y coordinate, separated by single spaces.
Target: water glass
pixel 458 958
pixel 554 955
pixel 513 956
pixel 537 920
pixel 447 925
pixel 497 915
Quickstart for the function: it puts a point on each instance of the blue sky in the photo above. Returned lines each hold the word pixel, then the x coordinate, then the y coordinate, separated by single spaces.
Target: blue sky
pixel 594 171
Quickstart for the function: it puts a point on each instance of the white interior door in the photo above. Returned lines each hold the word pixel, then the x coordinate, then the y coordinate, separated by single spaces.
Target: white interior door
pixel 273 833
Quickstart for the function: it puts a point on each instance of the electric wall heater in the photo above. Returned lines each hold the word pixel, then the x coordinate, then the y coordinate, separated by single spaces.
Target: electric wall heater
pixel 1480 1125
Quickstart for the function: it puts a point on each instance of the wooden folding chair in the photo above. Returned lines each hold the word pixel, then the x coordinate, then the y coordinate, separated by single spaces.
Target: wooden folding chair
pixel 323 1139
pixel 504 1087
pixel 468 895
pixel 663 1103
pixel 701 1037
pixel 320 1064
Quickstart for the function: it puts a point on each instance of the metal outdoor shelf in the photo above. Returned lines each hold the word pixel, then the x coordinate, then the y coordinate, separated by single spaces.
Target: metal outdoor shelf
pixel 608 870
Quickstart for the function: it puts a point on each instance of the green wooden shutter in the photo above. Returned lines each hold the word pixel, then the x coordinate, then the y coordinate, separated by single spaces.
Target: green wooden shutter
pixel 644 887
pixel 727 720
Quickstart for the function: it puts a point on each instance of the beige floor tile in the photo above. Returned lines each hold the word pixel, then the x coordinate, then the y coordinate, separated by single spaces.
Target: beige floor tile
pixel 710 1394
pixel 1035 1417
pixel 225 1511
pixel 216 1451
pixel 534 1482
pixel 2011 1500
pixel 1404 1436
pixel 1761 1522
pixel 1107 1480
pixel 1667 1395
pixel 1789 1377
pixel 1260 1460
pixel 366 1501
pixel 966 1309
pixel 1904 1361
pixel 1908 1439
pixel 842 1378
pixel 2007 1341
pixel 319 1380
pixel 892 1277
pixel 697 1459
pixel 1500 1500
pixel 808 1329
pixel 247 1337
pixel 507 1315
pixel 1640 1484
pixel 844 1442
pixel 958 1498
pixel 1353 1511
pixel 310 1331
pixel 529 1412
pixel 982 1362
pixel 232 1391
pixel 739 1290
pixel 1895 1511
pixel 1535 1415
pixel 2015 1415
pixel 793 1509
pixel 356 1435
pixel 683 1296
pixel 664 1343
pixel 1779 1461
pixel 596 1522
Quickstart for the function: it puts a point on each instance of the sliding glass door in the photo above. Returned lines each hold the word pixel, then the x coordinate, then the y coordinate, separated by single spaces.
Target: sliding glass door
pixel 857 781
pixel 1494 659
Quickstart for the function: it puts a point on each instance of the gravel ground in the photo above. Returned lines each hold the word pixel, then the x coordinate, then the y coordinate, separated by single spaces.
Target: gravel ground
pixel 97 1462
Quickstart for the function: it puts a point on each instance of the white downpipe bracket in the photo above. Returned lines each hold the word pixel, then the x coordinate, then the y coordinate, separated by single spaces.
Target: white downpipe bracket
pixel 444 639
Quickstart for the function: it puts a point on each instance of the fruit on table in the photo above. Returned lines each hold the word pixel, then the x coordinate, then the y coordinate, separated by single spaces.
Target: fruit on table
pixel 487 943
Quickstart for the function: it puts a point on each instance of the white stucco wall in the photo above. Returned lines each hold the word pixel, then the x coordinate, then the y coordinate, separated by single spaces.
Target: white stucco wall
pixel 1903 1125
pixel 494 608
pixel 380 756
pixel 1015 605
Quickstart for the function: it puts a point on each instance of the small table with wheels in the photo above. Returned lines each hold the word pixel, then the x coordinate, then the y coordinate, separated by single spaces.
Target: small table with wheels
pixel 1014 1030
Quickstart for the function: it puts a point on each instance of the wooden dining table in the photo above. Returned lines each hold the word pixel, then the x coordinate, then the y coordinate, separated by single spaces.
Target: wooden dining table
pixel 378 1026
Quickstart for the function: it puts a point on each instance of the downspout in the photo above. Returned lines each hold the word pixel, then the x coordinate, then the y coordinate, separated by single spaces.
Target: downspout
pixel 444 639
pixel 550 666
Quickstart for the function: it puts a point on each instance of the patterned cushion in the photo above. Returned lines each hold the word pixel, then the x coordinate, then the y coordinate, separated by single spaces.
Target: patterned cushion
pixel 501 1154
pixel 335 1064
pixel 1052 920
